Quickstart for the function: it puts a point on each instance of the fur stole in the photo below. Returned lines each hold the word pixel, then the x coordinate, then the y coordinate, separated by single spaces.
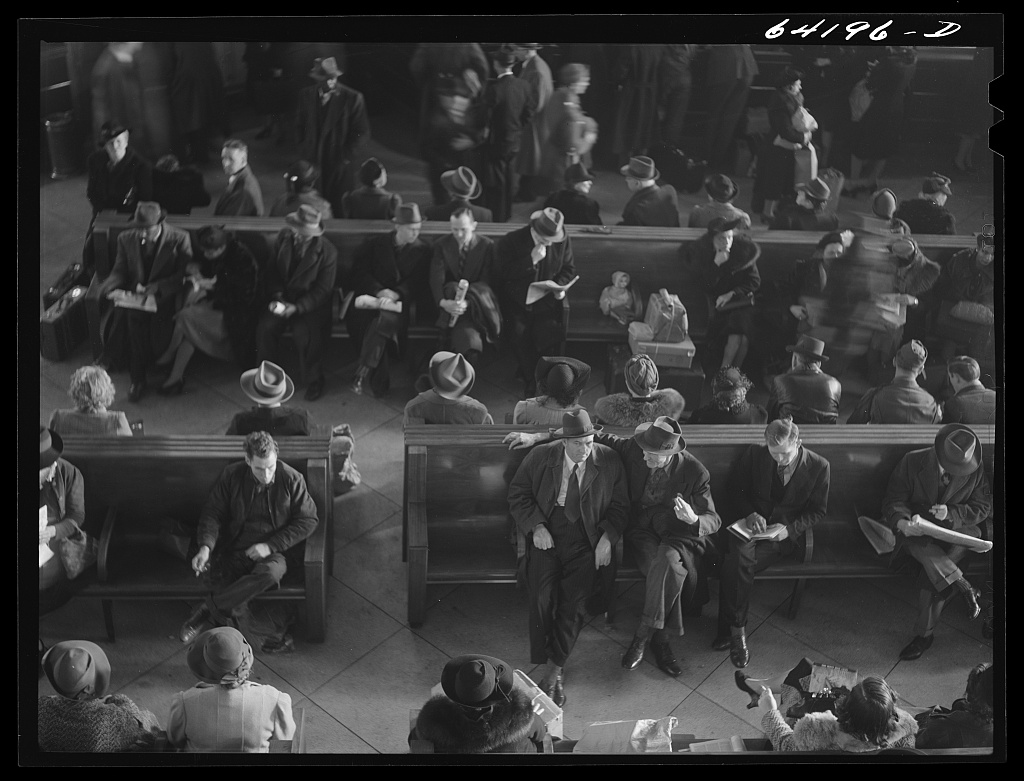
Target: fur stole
pixel 621 409
pixel 505 730
pixel 821 732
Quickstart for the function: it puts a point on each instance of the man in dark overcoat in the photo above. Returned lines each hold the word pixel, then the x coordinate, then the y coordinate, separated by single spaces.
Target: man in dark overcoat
pixel 651 204
pixel 151 259
pixel 536 252
pixel 332 126
pixel 300 282
pixel 242 197
pixel 778 483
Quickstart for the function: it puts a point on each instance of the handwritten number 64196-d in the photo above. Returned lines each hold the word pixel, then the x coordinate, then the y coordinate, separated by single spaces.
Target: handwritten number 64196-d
pixel 878 34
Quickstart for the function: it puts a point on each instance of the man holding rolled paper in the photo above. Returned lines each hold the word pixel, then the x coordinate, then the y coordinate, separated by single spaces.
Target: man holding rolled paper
pixel 943 486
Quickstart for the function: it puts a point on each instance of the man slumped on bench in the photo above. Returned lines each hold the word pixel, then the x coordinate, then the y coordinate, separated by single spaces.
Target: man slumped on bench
pixel 257 514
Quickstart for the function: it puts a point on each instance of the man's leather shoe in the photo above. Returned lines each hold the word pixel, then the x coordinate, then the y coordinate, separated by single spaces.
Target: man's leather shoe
pixel 358 384
pixel 916 647
pixel 721 643
pixel 665 658
pixel 634 654
pixel 556 691
pixel 738 651
pixel 135 391
pixel 315 389
pixel 194 625
pixel 971 596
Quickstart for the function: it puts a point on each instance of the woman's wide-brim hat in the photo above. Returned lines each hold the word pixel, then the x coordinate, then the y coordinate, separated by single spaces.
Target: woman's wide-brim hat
pixel 325 68
pixel 640 168
pixel 549 224
pixel 722 225
pixel 306 220
pixel 720 187
pixel 662 437
pixel 561 375
pixel 477 681
pixel 810 347
pixel 267 384
pixel 110 131
pixel 77 670
pixel 575 424
pixel 148 214
pixel 451 375
pixel 213 237
pixel 462 183
pixel 220 655
pixel 958 449
pixel 50 446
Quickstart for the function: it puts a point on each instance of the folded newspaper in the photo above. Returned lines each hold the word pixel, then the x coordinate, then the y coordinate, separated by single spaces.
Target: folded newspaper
pixel 372 302
pixel 538 290
pixel 883 539
pixel 636 736
pixel 128 300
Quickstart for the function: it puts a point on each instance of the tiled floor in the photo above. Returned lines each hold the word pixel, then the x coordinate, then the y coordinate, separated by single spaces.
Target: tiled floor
pixel 359 685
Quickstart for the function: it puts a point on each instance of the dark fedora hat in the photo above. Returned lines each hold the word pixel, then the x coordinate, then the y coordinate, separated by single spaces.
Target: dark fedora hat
pixel 809 346
pixel 370 171
pixel 111 130
pixel 575 424
pixel 549 224
pixel 325 68
pixel 505 55
pixel 306 220
pixel 408 214
pixel 936 183
pixel 662 437
pixel 451 375
pixel 559 375
pixel 720 187
pixel 77 670
pixel 958 449
pixel 148 214
pixel 477 681
pixel 267 384
pixel 302 173
pixel 816 189
pixel 640 168
pixel 50 446
pixel 721 225
pixel 462 183
pixel 213 237
pixel 220 655
pixel 576 173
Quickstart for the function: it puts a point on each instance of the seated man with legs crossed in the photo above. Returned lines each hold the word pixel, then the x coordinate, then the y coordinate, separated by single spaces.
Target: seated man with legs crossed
pixel 779 482
pixel 257 514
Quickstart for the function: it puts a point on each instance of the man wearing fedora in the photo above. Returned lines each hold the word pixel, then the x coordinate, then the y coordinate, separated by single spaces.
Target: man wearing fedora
pixel 269 387
pixel 569 499
pixel 242 197
pixel 392 267
pixel 972 403
pixel 370 201
pixel 62 493
pixel 254 519
pixel 332 127
pixel 651 204
pixel 300 282
pixel 573 200
pixel 448 399
pixel 300 188
pixel 808 211
pixel 927 212
pixel 537 74
pixel 902 400
pixel 462 186
pixel 805 393
pixel 721 190
pixel 119 177
pixel 534 253
pixel 944 484
pixel 481 711
pixel 151 259
pixel 509 104
pixel 776 483
pixel 465 255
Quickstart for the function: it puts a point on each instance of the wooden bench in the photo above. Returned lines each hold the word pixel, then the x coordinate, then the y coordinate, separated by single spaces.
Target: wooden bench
pixel 650 255
pixel 134 485
pixel 457 528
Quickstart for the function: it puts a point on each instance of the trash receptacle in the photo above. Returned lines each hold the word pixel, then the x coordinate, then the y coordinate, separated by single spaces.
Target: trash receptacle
pixel 60 139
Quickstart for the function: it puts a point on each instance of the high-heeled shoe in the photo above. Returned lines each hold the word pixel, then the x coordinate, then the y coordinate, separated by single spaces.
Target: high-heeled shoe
pixel 741 683
pixel 174 389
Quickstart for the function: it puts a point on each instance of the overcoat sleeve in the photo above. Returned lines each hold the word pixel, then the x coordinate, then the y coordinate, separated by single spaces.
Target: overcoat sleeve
pixel 527 511
pixel 817 501
pixel 319 292
pixel 302 518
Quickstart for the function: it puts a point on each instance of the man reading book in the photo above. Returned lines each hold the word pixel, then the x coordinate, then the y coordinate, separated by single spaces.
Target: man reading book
pixel 779 483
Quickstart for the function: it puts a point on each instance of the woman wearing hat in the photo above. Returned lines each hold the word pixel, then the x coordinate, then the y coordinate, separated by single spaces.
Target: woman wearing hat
pixel 62 504
pixel 569 134
pixel 81 717
pixel 370 201
pixel 300 188
pixel 269 387
pixel 809 212
pixel 814 280
pixel 573 200
pixel 119 177
pixel 642 402
pixel 481 711
pixel 560 382
pixel 226 711
pixel 450 140
pixel 220 309
pixel 729 403
pixel 727 264
pixel 721 191
pixel 775 175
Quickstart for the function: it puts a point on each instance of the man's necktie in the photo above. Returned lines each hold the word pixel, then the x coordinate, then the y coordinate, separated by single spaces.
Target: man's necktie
pixel 462 259
pixel 297 248
pixel 573 511
pixel 946 479
pixel 782 472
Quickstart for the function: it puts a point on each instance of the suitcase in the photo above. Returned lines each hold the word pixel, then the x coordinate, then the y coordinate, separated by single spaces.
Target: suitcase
pixel 63 326
pixel 678 169
pixel 75 274
pixel 689 382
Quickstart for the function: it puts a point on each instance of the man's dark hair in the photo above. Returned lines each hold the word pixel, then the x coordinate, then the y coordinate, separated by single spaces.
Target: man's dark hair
pixel 259 444
pixel 964 367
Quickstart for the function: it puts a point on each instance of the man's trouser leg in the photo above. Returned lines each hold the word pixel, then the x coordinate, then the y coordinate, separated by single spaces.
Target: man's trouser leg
pixel 244 579
pixel 268 332
pixel 308 333
pixel 742 561
pixel 140 351
pixel 938 561
pixel 664 576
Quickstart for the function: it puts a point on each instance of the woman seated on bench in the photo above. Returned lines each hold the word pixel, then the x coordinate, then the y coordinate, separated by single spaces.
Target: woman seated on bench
pixel 226 711
pixel 560 382
pixel 969 723
pixel 92 391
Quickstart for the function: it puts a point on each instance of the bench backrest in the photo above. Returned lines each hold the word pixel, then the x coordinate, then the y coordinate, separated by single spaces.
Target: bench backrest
pixel 650 255
pixel 153 478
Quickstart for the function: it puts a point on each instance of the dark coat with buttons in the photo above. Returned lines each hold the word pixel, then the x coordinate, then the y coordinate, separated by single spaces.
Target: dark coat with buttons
pixel 654 206
pixel 311 284
pixel 808 395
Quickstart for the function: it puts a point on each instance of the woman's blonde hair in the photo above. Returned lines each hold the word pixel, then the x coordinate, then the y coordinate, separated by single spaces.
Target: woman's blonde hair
pixel 91 389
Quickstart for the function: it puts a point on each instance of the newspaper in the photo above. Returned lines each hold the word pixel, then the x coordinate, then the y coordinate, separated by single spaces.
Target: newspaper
pixel 827 676
pixel 719 746
pixel 538 290
pixel 742 530
pixel 128 300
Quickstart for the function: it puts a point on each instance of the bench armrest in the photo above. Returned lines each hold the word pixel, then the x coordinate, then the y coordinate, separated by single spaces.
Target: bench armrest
pixel 103 554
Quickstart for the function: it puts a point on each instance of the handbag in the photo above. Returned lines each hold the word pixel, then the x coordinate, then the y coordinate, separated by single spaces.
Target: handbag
pixel 736 302
pixel 78 552
pixel 972 312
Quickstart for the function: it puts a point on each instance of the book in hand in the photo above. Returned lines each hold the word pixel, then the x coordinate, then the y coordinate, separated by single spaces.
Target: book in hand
pixel 128 300
pixel 372 302
pixel 719 746
pixel 742 530
pixel 538 290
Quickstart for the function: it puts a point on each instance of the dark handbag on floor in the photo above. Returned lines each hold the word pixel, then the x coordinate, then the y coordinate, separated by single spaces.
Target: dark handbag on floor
pixel 76 273
pixel 78 552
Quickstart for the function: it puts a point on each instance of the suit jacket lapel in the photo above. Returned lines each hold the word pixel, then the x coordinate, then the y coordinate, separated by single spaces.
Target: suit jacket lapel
pixel 160 257
pixel 589 476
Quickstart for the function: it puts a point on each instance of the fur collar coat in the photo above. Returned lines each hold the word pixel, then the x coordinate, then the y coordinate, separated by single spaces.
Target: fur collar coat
pixel 507 728
pixel 821 732
pixel 621 409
